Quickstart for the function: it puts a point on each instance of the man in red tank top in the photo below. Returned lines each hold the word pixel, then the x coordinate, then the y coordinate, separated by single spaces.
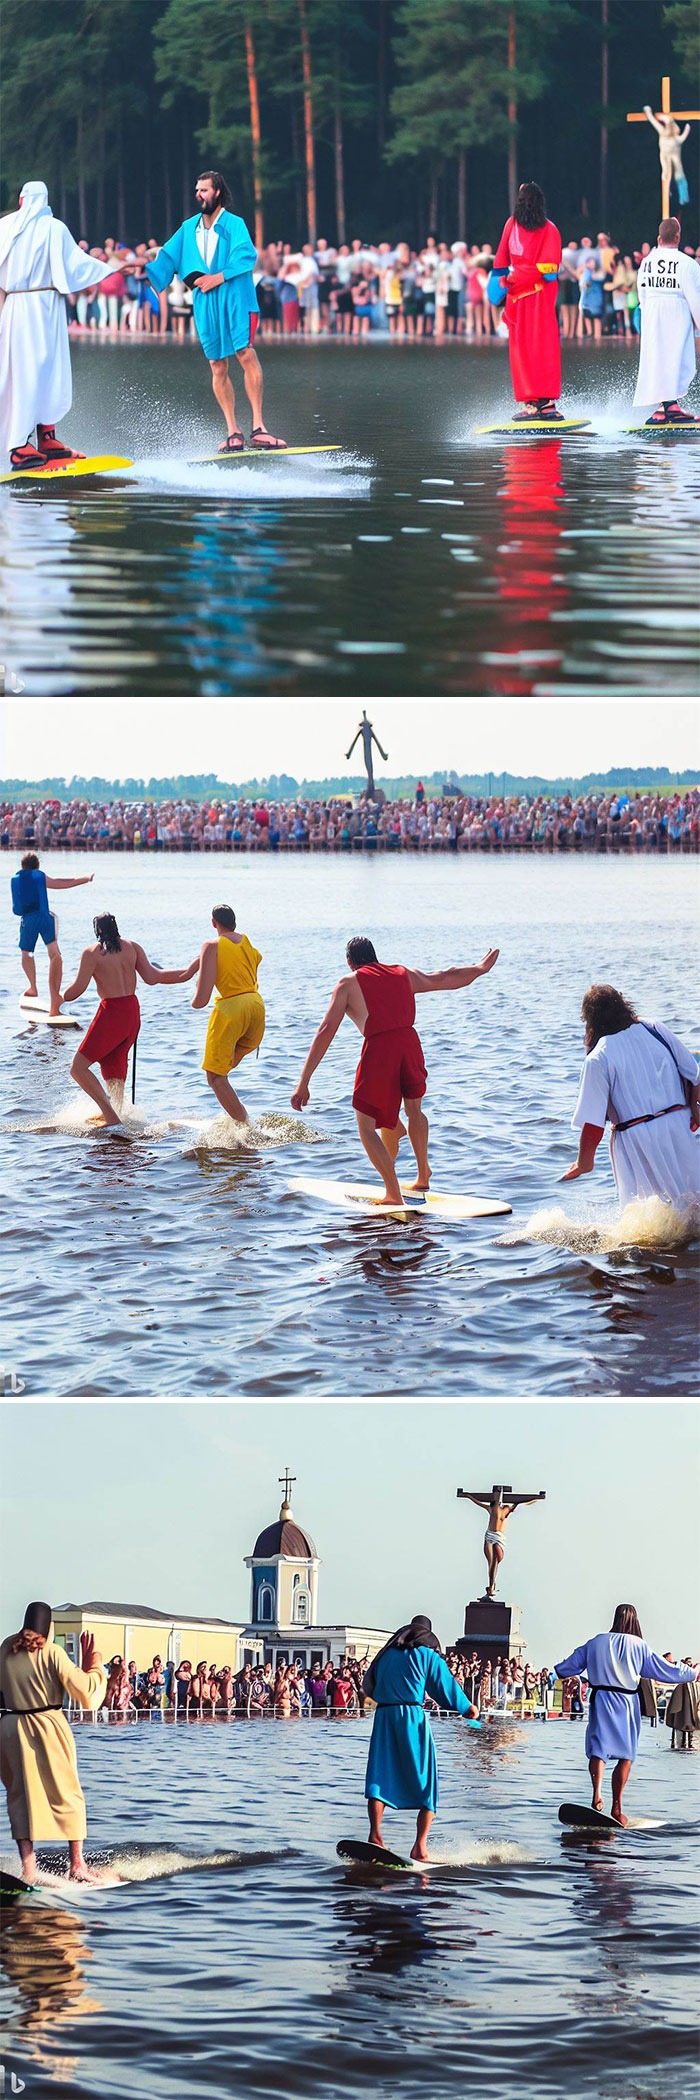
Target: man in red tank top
pixel 381 1000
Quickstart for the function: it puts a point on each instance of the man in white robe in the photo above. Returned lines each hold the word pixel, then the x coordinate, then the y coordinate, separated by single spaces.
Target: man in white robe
pixel 668 285
pixel 633 1078
pixel 40 265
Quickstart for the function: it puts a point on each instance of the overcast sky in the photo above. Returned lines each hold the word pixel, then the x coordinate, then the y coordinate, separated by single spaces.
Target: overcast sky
pixel 243 739
pixel 121 1508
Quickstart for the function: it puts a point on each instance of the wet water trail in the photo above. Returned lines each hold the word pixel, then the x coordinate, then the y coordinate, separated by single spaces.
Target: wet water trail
pixel 419 559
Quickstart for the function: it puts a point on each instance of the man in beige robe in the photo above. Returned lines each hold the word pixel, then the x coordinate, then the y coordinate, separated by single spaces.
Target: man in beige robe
pixel 38 1765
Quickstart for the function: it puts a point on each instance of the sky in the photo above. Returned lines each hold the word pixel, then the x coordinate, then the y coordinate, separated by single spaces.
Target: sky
pixel 158 1504
pixel 239 740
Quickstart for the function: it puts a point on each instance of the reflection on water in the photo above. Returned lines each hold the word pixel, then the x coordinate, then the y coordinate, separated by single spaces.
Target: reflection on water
pixel 420 559
pixel 531 1967
pixel 179 1263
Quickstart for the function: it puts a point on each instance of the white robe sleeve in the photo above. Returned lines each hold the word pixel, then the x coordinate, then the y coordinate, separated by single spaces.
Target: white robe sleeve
pixel 71 269
pixel 690 280
pixel 593 1105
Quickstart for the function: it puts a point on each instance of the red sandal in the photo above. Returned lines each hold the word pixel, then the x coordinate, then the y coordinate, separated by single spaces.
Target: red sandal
pixel 55 454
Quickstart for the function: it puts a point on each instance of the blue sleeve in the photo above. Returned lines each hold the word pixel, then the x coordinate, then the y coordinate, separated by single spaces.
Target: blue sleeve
pixel 667 1673
pixel 242 253
pixel 574 1663
pixel 161 271
pixel 441 1685
pixel 496 286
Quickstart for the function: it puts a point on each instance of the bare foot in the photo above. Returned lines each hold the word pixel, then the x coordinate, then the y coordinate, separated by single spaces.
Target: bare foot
pixel 389 1202
pixel 85 1873
pixel 597 1803
pixel 419 1852
pixel 379 1842
pixel 420 1187
pixel 617 1815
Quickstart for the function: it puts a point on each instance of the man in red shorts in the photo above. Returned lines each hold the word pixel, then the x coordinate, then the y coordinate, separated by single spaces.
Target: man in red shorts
pixel 114 964
pixel 381 1000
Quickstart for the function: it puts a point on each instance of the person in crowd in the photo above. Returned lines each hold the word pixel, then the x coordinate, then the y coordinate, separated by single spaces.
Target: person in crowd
pixel 614 1664
pixel 183 1686
pixel 118 1697
pixel 639 1077
pixel 229 964
pixel 38 1766
pixel 213 251
pixel 401 1767
pixel 380 999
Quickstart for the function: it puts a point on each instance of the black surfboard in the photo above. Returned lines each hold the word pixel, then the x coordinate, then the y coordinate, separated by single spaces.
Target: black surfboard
pixel 11 1887
pixel 357 1854
pixel 578 1818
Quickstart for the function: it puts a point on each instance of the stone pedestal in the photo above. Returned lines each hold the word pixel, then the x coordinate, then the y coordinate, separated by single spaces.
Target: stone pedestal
pixel 491 1629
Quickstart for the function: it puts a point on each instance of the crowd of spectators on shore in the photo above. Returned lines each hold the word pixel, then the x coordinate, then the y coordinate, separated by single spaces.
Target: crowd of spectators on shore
pixel 645 821
pixel 359 289
pixel 288 1689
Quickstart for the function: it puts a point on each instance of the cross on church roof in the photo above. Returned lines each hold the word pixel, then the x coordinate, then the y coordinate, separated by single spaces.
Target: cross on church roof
pixel 287 1481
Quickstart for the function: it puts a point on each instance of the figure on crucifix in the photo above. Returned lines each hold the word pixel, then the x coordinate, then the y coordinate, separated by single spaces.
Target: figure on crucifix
pixel 366 732
pixel 671 138
pixel 500 1504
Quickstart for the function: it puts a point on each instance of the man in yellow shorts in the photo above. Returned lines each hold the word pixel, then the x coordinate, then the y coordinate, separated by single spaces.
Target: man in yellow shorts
pixel 229 964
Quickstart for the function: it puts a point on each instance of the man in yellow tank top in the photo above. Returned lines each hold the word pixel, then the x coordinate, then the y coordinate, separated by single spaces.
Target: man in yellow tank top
pixel 229 964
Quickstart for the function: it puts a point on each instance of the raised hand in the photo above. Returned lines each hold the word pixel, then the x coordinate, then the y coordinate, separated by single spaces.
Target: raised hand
pixel 88 1652
pixel 491 957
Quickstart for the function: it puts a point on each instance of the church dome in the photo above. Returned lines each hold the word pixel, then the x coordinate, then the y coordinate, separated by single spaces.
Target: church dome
pixel 284 1537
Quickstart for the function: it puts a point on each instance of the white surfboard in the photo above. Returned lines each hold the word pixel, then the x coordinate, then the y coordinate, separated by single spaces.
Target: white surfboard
pixel 36 1011
pixel 362 1196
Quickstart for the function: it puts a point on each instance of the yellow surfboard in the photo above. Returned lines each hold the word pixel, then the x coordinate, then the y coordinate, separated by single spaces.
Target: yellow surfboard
pixel 253 452
pixel 540 428
pixel 663 430
pixel 74 469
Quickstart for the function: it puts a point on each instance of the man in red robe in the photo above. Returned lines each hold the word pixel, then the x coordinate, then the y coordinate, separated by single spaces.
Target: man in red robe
pixel 527 264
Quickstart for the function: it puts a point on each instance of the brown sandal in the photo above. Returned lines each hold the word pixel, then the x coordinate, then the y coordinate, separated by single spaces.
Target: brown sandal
pixel 234 443
pixel 262 442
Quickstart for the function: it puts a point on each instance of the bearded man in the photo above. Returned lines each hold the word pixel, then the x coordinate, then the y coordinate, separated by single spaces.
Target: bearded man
pixel 213 254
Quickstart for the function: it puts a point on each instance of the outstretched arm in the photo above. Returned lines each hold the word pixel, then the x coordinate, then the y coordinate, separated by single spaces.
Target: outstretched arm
pixel 587 1147
pixel 207 974
pixel 482 1501
pixel 653 120
pixel 152 975
pixel 67 882
pixel 82 978
pixel 322 1040
pixel 452 980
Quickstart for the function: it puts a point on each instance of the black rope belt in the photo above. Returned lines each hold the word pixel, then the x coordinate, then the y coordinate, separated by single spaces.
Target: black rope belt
pixel 22 1710
pixel 629 1125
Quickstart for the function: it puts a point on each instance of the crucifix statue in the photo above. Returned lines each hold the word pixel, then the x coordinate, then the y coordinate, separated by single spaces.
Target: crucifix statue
pixel 500 1503
pixel 366 732
pixel 671 138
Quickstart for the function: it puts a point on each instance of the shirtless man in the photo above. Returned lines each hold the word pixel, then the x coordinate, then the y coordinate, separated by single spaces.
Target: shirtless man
pixel 495 1534
pixel 380 999
pixel 114 964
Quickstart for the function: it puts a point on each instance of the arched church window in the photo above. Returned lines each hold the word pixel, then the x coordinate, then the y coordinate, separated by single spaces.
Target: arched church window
pixel 301 1607
pixel 266 1602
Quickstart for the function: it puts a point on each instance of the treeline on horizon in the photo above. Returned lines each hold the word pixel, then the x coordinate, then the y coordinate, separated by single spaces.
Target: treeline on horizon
pixel 381 119
pixel 282 787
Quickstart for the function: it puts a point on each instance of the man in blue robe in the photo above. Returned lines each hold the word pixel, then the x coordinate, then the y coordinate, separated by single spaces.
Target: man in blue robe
pixel 213 253
pixel 402 1768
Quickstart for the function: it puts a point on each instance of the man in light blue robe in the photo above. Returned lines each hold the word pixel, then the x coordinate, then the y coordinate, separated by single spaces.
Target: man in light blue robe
pixel 402 1768
pixel 614 1664
pixel 213 253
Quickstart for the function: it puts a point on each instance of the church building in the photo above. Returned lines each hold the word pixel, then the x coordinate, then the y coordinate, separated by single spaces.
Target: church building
pixel 284 1619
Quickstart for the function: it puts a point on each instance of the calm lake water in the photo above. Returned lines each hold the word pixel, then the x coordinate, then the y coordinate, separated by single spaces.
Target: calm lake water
pixel 179 1264
pixel 420 559
pixel 525 1963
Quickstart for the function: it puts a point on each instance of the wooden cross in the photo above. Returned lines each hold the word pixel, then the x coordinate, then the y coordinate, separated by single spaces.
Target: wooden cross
pixel 286 1482
pixel 639 116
